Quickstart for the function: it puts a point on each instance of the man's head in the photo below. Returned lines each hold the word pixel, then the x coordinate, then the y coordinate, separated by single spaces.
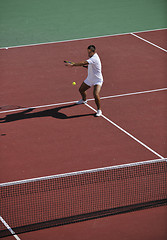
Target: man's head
pixel 91 50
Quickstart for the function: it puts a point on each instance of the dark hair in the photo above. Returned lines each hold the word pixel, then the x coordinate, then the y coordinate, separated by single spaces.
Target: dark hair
pixel 92 48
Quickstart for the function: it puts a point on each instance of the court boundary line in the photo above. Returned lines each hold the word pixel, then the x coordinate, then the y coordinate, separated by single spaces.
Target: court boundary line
pixel 130 94
pixel 5 184
pixel 143 39
pixel 9 228
pixel 127 133
pixel 91 99
pixel 80 39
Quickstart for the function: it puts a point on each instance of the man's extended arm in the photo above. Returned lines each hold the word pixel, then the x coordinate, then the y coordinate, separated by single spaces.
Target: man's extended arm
pixel 82 64
pixel 85 63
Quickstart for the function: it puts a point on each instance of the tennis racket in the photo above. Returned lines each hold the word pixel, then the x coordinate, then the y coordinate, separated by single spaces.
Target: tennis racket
pixel 69 62
pixel 73 63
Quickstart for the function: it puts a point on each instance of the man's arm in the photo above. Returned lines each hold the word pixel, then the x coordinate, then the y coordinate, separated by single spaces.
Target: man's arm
pixel 85 63
pixel 82 64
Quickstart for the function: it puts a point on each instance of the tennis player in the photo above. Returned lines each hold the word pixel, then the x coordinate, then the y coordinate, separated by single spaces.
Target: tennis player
pixel 94 78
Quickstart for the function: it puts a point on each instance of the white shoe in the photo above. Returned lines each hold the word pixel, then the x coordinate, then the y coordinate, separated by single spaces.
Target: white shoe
pixel 99 113
pixel 81 102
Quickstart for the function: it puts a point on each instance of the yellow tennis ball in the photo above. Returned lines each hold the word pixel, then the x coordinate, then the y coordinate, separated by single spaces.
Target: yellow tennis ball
pixel 74 83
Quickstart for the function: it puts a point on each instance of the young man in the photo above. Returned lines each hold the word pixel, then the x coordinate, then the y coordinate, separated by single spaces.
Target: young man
pixel 94 78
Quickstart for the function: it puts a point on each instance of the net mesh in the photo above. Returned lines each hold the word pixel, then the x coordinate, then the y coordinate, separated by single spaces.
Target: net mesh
pixel 56 200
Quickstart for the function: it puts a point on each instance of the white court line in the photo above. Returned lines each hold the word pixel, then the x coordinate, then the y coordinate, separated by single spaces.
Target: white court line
pixel 79 39
pixel 9 228
pixel 92 99
pixel 35 107
pixel 130 135
pixel 149 42
pixel 129 94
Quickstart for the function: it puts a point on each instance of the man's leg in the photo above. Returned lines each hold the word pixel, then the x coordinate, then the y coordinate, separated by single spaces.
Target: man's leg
pixel 83 89
pixel 96 92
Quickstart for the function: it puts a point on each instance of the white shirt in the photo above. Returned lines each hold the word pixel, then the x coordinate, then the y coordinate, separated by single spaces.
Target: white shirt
pixel 94 68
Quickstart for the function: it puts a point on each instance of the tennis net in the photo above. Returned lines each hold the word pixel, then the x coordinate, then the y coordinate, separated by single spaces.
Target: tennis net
pixel 67 198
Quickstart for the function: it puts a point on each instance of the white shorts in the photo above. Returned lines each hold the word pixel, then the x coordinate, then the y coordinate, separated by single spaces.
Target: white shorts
pixel 91 83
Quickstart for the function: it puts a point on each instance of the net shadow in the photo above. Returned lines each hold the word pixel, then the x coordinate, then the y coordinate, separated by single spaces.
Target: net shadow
pixel 84 217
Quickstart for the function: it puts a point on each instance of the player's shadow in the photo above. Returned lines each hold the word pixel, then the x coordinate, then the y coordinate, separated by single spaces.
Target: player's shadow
pixel 55 113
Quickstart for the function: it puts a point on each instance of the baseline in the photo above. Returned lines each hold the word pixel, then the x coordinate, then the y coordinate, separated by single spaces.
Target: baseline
pixel 78 39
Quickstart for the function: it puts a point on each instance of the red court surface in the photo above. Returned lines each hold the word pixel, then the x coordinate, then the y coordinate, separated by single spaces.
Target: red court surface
pixel 149 126
pixel 146 224
pixel 66 137
pixel 156 38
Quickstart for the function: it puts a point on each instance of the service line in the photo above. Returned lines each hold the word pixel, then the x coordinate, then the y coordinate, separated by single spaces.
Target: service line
pixel 72 102
pixel 130 135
